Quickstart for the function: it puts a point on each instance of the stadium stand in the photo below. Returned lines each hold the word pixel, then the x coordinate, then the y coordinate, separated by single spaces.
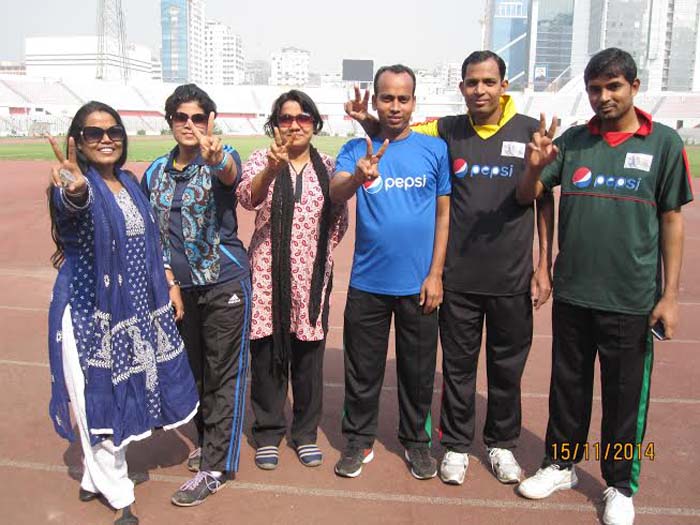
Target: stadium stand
pixel 30 105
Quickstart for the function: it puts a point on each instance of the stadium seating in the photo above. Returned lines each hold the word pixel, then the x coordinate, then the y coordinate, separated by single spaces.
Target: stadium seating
pixel 29 104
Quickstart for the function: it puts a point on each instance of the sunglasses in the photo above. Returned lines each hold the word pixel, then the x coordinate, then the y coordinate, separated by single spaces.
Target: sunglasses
pixel 303 119
pixel 93 134
pixel 198 119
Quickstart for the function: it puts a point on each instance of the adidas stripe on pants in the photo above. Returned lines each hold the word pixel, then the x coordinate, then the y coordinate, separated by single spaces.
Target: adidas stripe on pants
pixel 216 333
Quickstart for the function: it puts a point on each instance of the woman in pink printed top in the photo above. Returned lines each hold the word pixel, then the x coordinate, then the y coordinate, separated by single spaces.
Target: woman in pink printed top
pixel 296 229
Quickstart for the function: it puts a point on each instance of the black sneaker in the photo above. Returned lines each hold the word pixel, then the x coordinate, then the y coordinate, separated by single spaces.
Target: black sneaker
pixel 423 465
pixel 350 463
pixel 196 490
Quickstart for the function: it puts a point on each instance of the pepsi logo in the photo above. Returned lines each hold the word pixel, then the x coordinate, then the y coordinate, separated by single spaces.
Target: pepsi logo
pixel 460 168
pixel 373 186
pixel 582 177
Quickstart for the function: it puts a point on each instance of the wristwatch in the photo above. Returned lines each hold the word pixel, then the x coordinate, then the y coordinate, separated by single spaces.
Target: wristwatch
pixel 173 282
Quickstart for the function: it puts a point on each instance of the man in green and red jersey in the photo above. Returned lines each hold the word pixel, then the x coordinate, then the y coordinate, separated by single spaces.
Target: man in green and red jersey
pixel 488 268
pixel 623 181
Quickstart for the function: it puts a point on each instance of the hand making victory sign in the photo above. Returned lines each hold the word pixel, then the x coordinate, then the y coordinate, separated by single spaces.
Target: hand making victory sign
pixel 278 154
pixel 67 174
pixel 358 108
pixel 541 150
pixel 210 146
pixel 367 168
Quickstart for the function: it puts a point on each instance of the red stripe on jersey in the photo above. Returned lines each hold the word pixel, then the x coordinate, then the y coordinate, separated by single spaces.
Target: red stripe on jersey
pixel 603 196
pixel 687 170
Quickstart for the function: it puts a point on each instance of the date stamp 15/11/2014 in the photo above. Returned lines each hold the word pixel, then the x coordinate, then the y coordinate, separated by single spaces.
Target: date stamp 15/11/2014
pixel 598 451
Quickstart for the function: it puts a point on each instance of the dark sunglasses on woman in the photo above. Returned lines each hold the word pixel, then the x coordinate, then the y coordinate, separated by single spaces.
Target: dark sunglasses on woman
pixel 93 134
pixel 198 119
pixel 303 119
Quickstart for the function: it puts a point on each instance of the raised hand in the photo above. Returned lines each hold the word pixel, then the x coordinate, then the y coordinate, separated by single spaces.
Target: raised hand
pixel 541 149
pixel 67 174
pixel 358 108
pixel 210 146
pixel 278 154
pixel 367 168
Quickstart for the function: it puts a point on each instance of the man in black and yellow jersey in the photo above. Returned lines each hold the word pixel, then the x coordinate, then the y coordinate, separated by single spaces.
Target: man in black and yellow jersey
pixel 623 179
pixel 488 271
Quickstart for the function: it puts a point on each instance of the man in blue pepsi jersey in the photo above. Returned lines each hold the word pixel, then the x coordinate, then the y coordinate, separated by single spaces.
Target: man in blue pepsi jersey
pixel 403 207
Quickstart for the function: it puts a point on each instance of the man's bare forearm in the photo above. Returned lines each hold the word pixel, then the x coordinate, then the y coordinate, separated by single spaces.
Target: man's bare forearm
pixel 545 228
pixel 529 187
pixel 442 228
pixel 672 228
pixel 343 187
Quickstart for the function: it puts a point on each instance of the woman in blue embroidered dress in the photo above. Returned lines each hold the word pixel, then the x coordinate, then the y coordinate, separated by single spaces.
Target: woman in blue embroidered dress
pixel 114 349
pixel 193 193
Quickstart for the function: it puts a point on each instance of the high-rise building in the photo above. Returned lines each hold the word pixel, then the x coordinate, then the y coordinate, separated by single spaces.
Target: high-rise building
pixel 673 45
pixel 507 34
pixel 547 42
pixel 290 67
pixel 661 35
pixel 182 53
pixel 552 24
pixel 224 63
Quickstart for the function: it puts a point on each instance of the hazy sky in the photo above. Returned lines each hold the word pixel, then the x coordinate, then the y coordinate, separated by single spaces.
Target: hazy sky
pixel 418 33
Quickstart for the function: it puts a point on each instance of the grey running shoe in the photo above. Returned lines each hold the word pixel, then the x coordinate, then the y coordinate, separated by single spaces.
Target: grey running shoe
pixel 423 465
pixel 352 460
pixel 197 489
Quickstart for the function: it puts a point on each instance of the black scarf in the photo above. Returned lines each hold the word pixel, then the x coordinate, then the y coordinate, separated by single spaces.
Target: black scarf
pixel 281 226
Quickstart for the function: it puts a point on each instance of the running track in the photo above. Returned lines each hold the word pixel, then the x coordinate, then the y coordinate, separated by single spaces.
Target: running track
pixel 39 470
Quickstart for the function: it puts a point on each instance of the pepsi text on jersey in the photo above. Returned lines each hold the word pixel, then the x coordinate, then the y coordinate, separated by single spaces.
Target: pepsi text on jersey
pixel 584 178
pixel 461 168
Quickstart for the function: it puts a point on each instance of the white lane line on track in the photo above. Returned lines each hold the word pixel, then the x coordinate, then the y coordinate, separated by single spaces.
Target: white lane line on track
pixel 22 308
pixel 340 328
pixel 530 395
pixel 380 496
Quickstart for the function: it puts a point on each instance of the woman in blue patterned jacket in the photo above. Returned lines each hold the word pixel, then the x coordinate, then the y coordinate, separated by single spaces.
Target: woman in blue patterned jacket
pixel 114 349
pixel 193 192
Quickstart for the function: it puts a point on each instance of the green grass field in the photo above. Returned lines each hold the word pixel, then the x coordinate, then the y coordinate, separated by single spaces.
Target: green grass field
pixel 148 148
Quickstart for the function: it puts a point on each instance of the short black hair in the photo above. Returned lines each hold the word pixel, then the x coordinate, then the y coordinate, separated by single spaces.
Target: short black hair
pixel 301 98
pixel 188 93
pixel 397 69
pixel 78 123
pixel 477 57
pixel 610 63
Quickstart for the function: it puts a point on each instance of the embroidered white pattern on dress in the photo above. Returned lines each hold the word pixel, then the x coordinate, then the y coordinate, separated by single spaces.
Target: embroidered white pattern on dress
pixel 132 216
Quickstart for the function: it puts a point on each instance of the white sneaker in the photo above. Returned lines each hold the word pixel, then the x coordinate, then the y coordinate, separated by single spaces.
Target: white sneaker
pixel 504 465
pixel 454 467
pixel 548 480
pixel 619 509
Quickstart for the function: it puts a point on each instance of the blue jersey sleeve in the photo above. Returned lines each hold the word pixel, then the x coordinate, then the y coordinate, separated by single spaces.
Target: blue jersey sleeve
pixel 237 160
pixel 347 157
pixel 444 184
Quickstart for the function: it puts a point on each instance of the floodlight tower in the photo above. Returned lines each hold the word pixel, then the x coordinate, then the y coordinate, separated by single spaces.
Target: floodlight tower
pixel 111 38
